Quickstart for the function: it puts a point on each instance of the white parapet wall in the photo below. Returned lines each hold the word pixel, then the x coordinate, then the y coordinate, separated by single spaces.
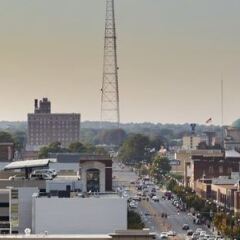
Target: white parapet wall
pixel 94 215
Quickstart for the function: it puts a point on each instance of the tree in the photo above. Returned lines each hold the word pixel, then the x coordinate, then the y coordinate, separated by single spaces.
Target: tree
pixel 6 137
pixel 111 137
pixel 52 148
pixel 134 220
pixel 134 148
pixel 160 166
pixel 77 147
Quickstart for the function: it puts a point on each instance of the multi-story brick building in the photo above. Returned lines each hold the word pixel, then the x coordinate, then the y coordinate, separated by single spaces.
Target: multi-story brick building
pixel 45 127
pixel 211 164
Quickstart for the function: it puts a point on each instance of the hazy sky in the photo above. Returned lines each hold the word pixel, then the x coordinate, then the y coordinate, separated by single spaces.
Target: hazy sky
pixel 171 55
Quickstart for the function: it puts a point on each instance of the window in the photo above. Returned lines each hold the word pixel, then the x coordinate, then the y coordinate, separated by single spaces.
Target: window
pixel 210 170
pixel 220 169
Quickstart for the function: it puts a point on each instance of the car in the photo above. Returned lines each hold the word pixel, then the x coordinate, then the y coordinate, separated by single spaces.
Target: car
pixel 163 235
pixel 198 230
pixel 52 172
pixel 41 176
pixel 16 177
pixel 153 190
pixel 195 236
pixel 190 232
pixel 133 204
pixel 136 198
pixel 185 227
pixel 151 195
pixel 203 233
pixel 171 234
pixel 125 194
pixel 155 199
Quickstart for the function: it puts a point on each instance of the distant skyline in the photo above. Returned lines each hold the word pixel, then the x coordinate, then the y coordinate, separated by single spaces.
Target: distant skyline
pixel 171 56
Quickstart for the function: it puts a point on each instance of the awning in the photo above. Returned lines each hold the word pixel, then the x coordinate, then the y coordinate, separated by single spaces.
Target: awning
pixel 29 164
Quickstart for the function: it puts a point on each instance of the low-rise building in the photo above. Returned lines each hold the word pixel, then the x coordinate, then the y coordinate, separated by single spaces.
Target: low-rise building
pixel 97 214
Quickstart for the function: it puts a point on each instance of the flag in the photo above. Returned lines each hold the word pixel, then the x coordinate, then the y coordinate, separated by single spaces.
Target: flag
pixel 209 120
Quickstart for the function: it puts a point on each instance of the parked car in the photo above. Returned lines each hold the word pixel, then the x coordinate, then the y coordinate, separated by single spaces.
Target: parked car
pixel 52 172
pixel 41 176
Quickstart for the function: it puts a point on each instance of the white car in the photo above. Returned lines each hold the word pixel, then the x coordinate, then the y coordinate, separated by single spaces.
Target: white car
pixel 125 194
pixel 48 171
pixel 41 176
pixel 171 234
pixel 163 235
pixel 15 177
pixel 203 233
pixel 155 199
pixel 198 230
pixel 133 204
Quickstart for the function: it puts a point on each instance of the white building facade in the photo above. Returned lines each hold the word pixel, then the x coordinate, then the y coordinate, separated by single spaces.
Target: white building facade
pixel 76 215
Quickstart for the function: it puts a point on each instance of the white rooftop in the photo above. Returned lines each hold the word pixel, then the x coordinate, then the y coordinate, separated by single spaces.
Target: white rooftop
pixel 232 154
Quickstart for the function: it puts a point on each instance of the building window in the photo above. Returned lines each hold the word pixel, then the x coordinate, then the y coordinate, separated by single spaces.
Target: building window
pixel 220 169
pixel 210 170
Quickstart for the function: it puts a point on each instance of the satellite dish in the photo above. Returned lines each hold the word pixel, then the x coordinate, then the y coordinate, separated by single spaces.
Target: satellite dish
pixel 27 231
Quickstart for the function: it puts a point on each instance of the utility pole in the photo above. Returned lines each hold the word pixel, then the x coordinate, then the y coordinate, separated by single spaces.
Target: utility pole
pixel 110 91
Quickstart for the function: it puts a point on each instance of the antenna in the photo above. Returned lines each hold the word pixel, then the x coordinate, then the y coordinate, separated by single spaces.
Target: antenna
pixel 222 110
pixel 110 91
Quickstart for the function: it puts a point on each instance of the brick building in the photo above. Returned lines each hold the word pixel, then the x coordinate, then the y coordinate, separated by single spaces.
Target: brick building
pixel 45 127
pixel 6 152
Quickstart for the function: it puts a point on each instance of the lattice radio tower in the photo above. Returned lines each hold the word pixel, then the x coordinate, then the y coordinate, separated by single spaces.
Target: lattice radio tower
pixel 110 92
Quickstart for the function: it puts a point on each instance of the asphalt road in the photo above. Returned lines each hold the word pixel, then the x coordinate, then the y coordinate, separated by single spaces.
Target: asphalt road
pixel 151 211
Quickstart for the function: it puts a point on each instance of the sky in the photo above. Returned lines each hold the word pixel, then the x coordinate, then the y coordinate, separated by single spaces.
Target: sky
pixel 172 55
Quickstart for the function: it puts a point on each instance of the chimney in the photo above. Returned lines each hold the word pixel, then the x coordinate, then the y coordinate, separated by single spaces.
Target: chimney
pixel 35 105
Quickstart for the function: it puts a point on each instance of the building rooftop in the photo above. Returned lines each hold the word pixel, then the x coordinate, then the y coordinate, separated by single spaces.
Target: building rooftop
pixel 232 154
pixel 229 186
pixel 77 157
pixel 105 195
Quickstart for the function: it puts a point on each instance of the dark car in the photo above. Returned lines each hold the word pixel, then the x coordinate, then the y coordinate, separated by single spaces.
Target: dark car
pixel 185 227
pixel 190 232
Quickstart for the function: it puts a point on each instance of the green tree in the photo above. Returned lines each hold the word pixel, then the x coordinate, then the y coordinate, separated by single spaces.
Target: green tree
pixel 134 220
pixel 160 166
pixel 6 137
pixel 111 137
pixel 134 148
pixel 77 147
pixel 52 148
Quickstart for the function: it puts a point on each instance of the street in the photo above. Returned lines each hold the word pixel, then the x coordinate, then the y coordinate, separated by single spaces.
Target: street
pixel 151 211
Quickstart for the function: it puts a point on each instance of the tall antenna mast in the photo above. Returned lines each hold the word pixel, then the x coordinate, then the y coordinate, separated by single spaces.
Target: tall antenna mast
pixel 222 110
pixel 110 92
